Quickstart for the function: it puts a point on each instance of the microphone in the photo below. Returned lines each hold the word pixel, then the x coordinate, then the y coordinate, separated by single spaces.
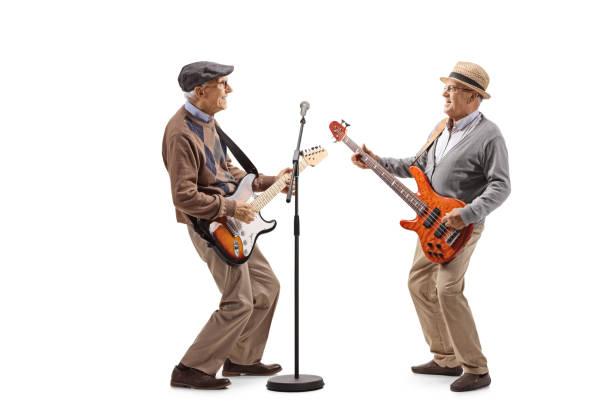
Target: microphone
pixel 304 106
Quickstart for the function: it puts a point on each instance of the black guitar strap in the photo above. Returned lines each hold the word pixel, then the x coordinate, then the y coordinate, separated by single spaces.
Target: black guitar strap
pixel 244 161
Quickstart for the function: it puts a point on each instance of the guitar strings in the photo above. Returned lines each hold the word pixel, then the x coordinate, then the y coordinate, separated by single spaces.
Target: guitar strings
pixel 420 204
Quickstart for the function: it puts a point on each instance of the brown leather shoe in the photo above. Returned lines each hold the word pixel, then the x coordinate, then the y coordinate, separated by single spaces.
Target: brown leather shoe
pixel 433 368
pixel 470 382
pixel 183 376
pixel 230 369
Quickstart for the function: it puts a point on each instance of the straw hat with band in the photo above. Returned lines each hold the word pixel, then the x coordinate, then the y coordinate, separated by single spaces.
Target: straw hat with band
pixel 471 75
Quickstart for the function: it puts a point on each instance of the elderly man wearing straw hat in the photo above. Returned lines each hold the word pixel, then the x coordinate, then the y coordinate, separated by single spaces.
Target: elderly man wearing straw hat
pixel 467 160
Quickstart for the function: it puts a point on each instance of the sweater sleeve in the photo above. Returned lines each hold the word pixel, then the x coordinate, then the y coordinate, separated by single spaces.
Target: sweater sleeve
pixel 497 174
pixel 263 182
pixel 400 167
pixel 183 169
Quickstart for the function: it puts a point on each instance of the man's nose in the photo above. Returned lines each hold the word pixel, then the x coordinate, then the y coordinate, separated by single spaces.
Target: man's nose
pixel 228 89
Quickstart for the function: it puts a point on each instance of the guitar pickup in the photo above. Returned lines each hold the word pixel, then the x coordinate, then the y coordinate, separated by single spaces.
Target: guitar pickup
pixel 440 231
pixel 431 218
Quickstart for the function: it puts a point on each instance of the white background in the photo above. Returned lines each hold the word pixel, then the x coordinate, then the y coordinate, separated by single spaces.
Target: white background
pixel 102 291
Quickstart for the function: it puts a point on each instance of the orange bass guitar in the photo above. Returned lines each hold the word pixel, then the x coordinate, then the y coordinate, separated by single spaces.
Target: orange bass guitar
pixel 440 243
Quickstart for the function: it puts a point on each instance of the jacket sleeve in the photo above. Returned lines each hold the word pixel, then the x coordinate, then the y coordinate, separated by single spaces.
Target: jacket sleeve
pixel 183 164
pixel 497 174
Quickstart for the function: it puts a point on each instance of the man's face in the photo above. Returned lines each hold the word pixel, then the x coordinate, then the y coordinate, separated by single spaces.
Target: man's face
pixel 459 101
pixel 214 97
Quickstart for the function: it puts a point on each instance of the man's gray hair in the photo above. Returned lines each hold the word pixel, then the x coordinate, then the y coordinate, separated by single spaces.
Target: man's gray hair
pixel 189 95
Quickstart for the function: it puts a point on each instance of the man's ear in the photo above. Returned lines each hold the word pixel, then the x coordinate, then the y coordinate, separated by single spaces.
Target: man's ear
pixel 200 91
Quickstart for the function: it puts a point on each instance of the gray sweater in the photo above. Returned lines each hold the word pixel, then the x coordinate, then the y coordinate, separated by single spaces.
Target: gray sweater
pixel 475 171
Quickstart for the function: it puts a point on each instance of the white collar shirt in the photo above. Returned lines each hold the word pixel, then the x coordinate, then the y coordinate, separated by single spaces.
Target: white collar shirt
pixel 461 128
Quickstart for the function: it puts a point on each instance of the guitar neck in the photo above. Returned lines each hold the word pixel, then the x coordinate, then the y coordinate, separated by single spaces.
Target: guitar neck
pixel 264 198
pixel 400 189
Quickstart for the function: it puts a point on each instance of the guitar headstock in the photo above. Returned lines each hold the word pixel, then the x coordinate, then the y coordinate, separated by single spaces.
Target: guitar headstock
pixel 314 155
pixel 338 130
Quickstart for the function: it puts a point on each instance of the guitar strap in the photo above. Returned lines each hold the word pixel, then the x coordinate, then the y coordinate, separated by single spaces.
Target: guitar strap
pixel 436 134
pixel 242 158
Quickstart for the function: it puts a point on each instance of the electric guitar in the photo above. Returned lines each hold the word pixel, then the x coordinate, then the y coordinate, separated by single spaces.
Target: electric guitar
pixel 440 243
pixel 232 239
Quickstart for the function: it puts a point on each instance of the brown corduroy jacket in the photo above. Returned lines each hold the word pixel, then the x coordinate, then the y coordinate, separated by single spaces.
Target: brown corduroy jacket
pixel 200 172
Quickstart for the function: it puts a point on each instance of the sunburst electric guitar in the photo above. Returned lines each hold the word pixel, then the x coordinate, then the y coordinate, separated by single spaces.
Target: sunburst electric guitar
pixel 440 243
pixel 232 239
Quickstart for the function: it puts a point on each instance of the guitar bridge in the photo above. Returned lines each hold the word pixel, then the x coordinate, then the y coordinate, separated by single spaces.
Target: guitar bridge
pixel 232 227
pixel 452 237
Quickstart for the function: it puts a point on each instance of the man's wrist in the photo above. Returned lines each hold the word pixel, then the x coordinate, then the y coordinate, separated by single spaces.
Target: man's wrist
pixel 228 207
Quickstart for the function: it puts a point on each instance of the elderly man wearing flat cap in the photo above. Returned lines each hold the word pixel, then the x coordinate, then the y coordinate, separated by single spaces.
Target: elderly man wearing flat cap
pixel 468 161
pixel 201 176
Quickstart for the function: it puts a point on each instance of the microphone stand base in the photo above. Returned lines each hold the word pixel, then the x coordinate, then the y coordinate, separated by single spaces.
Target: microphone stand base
pixel 288 383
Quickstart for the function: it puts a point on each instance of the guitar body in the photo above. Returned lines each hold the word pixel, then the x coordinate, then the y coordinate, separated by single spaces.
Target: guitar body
pixel 435 243
pixel 234 240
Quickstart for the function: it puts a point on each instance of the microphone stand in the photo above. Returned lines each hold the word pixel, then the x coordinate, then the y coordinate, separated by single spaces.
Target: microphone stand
pixel 297 381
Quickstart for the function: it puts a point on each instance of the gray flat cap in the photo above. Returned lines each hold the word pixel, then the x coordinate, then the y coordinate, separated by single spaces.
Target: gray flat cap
pixel 197 73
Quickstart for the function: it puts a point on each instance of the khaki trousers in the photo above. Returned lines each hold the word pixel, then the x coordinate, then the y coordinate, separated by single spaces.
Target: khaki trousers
pixel 239 329
pixel 444 313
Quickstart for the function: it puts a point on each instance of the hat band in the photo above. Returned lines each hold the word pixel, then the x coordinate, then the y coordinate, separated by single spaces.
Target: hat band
pixel 463 78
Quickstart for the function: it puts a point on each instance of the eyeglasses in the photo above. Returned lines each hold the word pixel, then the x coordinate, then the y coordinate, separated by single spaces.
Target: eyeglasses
pixel 453 89
pixel 224 83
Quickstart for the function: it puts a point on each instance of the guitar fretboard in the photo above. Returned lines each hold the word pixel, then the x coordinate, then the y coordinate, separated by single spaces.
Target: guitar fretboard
pixel 264 198
pixel 404 192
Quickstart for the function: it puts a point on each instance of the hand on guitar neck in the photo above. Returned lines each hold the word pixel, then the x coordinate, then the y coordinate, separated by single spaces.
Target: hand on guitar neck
pixel 356 157
pixel 287 174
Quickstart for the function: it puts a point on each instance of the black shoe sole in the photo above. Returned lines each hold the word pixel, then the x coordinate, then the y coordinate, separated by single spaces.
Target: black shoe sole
pixel 471 389
pixel 436 373
pixel 196 387
pixel 477 387
pixel 239 373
